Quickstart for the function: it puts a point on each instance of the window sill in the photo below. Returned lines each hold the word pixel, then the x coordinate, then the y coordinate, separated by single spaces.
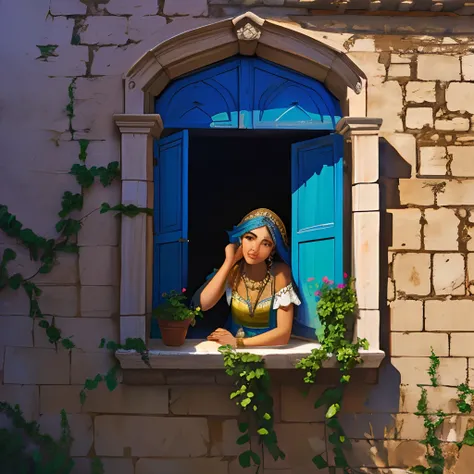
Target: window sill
pixel 198 354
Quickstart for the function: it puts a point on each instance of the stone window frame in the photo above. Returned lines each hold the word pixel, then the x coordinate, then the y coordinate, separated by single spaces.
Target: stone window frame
pixel 248 35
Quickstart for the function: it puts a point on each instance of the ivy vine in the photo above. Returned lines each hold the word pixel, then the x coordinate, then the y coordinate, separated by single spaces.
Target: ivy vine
pixel 336 307
pixel 252 394
pixel 25 450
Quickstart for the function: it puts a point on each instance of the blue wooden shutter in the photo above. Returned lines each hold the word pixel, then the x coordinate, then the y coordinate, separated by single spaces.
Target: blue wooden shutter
pixel 317 231
pixel 170 241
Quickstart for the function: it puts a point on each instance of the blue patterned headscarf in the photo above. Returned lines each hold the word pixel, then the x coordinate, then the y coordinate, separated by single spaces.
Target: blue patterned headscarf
pixel 259 218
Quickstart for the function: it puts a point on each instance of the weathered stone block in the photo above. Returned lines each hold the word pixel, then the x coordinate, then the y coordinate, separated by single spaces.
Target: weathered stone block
pixel 299 406
pixel 411 272
pixel 67 7
pixel 419 117
pixel 440 398
pixel 448 274
pixel 433 161
pixel 86 365
pixel 406 315
pixel 196 466
pixel 462 164
pixel 99 301
pixel 459 124
pixel 104 30
pixel 300 442
pixel 467 62
pixel 405 145
pixel 140 28
pixel 151 436
pixel 16 331
pixel 460 96
pixel 416 192
pixel 450 315
pixel 399 70
pixel 97 99
pixel 53 398
pixel 441 229
pixel 60 300
pixel 461 344
pixel 128 399
pixel 99 266
pixel 386 101
pixel 36 366
pixel 437 67
pixel 86 333
pixel 414 370
pixel 81 431
pixel 223 435
pixel 419 344
pixel 118 466
pixel 202 400
pixel 132 7
pixel 100 229
pixel 406 227
pixel 26 396
pixel 457 193
pixel 366 45
pixel 184 7
pixel 420 92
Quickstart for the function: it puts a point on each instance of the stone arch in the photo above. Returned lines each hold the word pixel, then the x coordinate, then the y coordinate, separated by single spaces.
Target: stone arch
pixel 247 35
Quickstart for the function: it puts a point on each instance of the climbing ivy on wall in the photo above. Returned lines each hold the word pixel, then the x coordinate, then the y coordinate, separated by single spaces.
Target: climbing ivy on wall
pixel 45 251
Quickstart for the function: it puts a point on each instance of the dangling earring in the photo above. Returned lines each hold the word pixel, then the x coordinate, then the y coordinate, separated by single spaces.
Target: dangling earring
pixel 270 261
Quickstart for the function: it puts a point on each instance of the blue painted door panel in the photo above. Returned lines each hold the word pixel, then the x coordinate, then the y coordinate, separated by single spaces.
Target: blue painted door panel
pixel 317 231
pixel 284 99
pixel 205 99
pixel 247 93
pixel 170 246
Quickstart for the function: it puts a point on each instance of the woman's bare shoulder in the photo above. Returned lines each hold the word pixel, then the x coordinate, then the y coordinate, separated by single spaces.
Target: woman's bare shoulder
pixel 282 274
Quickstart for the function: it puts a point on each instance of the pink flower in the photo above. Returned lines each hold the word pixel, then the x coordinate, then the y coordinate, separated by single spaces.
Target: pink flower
pixel 183 290
pixel 310 279
pixel 331 282
pixel 341 285
pixel 345 275
pixel 317 293
pixel 325 279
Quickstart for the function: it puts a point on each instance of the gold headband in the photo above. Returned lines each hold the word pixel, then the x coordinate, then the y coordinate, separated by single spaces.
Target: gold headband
pixel 263 212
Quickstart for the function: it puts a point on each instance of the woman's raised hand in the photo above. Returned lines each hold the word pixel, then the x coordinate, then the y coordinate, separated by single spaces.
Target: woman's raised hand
pixel 233 253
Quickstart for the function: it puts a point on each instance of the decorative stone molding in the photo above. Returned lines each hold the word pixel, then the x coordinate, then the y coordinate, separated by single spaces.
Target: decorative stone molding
pixel 246 34
pixel 363 135
pixel 138 132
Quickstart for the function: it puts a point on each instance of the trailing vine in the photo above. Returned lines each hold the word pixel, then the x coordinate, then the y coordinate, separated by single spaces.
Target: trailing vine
pixel 24 449
pixel 110 378
pixel 252 394
pixel 336 307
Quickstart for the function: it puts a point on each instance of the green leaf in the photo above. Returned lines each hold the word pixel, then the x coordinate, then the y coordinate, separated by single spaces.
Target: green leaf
pixel 15 281
pixel 53 333
pixel 330 396
pixel 243 439
pixel 82 397
pixel 243 427
pixel 255 458
pixel 43 324
pixel 262 431
pixel 267 416
pixel 244 459
pixel 245 402
pixel 111 379
pixel 8 255
pixel 332 410
pixel 67 343
pixel 319 462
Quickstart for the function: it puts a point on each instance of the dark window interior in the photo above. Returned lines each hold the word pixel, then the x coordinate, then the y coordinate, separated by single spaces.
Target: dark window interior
pixel 230 174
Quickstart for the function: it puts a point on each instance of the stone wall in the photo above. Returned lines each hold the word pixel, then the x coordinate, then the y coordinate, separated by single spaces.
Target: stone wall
pixel 420 81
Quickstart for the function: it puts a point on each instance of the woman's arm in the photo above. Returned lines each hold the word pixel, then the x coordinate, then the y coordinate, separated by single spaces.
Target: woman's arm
pixel 214 290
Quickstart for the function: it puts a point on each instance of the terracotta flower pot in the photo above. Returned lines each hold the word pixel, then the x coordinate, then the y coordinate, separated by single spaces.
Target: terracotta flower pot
pixel 173 333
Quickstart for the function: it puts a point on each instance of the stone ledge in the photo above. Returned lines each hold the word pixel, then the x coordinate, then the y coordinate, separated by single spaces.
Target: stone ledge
pixel 199 354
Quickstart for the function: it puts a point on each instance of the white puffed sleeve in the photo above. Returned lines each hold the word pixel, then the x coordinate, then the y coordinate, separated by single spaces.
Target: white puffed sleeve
pixel 285 297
